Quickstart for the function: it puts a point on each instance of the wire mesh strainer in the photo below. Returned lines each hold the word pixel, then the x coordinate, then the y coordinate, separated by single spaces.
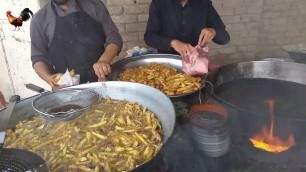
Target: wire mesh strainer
pixel 65 103
pixel 17 160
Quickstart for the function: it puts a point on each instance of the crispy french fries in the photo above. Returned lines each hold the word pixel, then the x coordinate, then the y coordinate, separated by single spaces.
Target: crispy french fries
pixel 162 77
pixel 55 80
pixel 72 73
pixel 58 77
pixel 111 136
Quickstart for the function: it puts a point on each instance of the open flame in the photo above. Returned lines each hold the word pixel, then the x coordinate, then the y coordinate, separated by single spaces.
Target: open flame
pixel 266 140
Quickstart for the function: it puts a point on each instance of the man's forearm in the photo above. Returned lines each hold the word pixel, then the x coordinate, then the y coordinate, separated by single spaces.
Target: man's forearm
pixel 2 101
pixel 44 71
pixel 111 51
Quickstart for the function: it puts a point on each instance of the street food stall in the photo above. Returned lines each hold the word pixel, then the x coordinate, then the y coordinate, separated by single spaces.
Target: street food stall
pixel 247 116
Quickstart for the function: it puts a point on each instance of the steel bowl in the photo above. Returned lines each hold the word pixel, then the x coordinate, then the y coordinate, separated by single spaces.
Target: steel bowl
pixel 171 60
pixel 146 96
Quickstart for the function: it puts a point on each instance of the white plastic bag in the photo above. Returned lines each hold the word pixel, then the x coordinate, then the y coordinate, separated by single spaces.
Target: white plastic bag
pixel 67 80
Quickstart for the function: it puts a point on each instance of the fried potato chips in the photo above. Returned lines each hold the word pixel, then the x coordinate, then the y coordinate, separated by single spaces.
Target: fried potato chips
pixel 162 77
pixel 112 135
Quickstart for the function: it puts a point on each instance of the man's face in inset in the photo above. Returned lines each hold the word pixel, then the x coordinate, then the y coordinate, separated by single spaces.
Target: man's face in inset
pixel 60 2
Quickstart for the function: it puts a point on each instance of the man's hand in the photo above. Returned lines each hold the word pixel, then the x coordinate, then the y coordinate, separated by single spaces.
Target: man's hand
pixel 53 79
pixel 102 69
pixel 181 47
pixel 206 36
pixel 2 101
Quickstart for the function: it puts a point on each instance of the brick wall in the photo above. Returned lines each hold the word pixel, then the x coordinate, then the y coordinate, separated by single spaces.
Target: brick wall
pixel 283 22
pixel 131 18
pixel 258 28
pixel 242 19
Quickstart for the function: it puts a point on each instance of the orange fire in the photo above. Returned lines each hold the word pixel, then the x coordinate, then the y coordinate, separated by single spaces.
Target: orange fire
pixel 266 140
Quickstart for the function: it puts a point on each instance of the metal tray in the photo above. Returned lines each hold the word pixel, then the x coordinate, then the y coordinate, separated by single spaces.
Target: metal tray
pixel 174 61
pixel 296 52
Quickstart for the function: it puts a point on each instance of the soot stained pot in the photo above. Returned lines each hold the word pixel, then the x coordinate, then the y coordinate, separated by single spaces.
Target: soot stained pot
pixel 147 96
pixel 246 86
pixel 285 71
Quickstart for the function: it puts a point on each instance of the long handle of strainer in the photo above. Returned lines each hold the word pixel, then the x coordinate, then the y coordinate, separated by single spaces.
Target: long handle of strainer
pixel 5 118
pixel 35 88
pixel 222 100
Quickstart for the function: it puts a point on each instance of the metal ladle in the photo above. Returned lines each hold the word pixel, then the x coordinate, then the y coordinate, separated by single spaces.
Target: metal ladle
pixel 17 160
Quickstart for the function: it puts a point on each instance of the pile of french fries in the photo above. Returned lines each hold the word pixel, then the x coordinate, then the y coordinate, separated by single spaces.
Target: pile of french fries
pixel 111 136
pixel 162 77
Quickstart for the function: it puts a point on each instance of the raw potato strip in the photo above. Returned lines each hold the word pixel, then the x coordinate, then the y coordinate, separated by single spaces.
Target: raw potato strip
pixel 110 136
pixel 162 77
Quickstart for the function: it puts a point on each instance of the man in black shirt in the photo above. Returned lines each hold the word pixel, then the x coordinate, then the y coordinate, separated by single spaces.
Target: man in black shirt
pixel 174 26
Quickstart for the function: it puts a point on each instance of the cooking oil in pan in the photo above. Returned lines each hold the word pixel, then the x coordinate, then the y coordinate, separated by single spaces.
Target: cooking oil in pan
pixel 64 108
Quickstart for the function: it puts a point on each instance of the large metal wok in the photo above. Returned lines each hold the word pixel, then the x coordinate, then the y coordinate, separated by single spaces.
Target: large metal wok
pixel 246 86
pixel 285 71
pixel 147 96
pixel 171 60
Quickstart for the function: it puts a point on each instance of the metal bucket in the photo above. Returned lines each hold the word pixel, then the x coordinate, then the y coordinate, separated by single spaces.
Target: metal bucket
pixel 209 129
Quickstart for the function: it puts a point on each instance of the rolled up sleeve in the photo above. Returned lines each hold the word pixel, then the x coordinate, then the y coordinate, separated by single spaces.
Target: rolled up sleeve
pixel 110 29
pixel 39 43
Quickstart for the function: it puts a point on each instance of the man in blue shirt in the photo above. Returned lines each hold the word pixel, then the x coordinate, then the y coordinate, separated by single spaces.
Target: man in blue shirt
pixel 175 26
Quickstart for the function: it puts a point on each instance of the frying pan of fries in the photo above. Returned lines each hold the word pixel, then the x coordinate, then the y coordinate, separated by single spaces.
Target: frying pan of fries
pixel 124 131
pixel 111 136
pixel 163 72
pixel 162 77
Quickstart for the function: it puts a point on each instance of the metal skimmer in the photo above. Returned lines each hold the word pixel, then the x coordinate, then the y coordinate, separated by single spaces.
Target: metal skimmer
pixel 65 104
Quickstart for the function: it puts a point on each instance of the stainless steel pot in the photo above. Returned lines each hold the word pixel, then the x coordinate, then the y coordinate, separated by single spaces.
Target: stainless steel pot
pixel 296 52
pixel 147 96
pixel 174 61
